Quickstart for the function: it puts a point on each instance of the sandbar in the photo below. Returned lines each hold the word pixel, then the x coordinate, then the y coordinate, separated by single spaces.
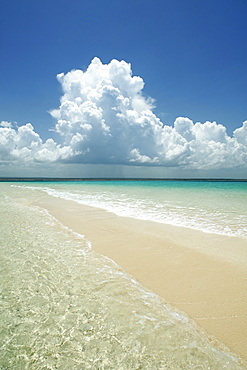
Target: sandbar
pixel 201 274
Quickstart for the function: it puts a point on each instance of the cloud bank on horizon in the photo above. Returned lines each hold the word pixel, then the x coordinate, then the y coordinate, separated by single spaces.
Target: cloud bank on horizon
pixel 103 118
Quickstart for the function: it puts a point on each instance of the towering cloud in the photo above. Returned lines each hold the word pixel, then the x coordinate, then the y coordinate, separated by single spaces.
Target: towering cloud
pixel 104 118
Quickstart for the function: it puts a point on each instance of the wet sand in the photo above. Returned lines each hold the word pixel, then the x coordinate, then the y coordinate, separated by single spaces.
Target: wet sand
pixel 204 275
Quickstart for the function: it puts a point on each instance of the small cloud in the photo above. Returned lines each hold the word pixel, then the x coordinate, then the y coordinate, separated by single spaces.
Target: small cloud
pixel 5 124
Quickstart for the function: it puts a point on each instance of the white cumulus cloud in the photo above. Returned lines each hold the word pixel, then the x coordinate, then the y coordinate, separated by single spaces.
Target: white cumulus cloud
pixel 241 134
pixel 5 124
pixel 104 118
pixel 25 145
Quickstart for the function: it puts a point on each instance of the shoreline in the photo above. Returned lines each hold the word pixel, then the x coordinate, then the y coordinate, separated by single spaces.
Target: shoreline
pixel 208 285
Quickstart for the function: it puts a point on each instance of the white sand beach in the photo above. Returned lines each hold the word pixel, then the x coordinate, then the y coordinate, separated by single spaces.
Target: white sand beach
pixel 201 274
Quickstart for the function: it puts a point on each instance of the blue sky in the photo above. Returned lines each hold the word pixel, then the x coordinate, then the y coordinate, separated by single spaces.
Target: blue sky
pixel 191 54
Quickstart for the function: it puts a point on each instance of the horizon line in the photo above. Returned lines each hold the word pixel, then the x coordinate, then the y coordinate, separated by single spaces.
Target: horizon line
pixel 50 179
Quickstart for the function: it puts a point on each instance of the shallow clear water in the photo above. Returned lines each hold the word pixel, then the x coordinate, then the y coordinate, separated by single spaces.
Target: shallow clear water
pixel 65 307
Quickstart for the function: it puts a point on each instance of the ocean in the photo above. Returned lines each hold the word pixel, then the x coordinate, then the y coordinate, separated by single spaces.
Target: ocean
pixel 63 306
pixel 210 206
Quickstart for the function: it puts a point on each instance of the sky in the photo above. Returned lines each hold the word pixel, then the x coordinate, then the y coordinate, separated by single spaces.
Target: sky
pixel 123 88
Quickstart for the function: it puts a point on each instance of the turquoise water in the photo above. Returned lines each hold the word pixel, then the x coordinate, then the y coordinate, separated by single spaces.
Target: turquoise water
pixel 65 307
pixel 216 207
